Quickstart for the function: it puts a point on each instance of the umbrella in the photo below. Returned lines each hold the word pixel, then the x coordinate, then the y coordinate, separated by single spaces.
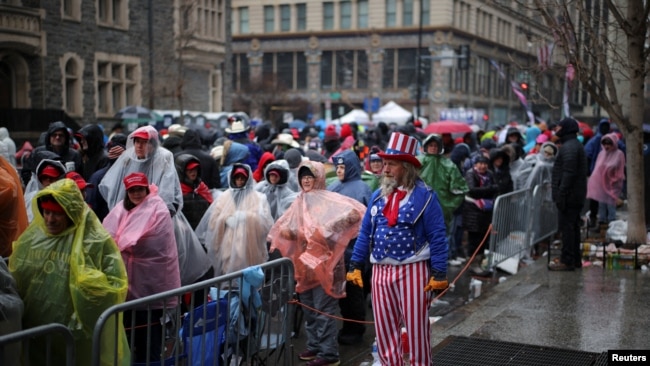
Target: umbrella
pixel 297 124
pixel 136 113
pixel 447 127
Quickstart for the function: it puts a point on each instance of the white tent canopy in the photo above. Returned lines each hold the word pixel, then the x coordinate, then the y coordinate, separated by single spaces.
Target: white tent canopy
pixel 392 112
pixel 356 115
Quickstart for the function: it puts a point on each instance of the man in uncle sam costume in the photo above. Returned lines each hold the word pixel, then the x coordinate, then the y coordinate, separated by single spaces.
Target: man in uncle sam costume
pixel 403 232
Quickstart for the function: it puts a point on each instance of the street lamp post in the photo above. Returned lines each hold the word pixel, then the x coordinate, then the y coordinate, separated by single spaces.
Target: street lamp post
pixel 418 66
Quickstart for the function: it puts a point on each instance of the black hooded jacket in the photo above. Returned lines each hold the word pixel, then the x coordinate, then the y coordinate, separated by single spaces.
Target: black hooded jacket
pixel 66 153
pixel 569 180
pixel 95 156
pixel 191 144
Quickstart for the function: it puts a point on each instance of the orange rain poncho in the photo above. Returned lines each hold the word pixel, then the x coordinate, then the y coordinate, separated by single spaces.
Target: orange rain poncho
pixel 314 232
pixel 13 216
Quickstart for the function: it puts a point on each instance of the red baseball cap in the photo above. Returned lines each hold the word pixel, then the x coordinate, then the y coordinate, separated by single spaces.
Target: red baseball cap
pixel 136 179
pixel 52 205
pixel 50 171
pixel 191 165
pixel 141 134
pixel 81 182
pixel 241 171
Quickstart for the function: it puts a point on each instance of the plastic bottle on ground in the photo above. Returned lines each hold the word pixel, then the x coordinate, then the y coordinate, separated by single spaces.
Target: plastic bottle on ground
pixel 375 354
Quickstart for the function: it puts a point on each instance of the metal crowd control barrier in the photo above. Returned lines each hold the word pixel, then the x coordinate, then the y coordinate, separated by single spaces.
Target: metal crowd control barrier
pixel 510 225
pixel 11 344
pixel 239 317
pixel 520 220
pixel 543 214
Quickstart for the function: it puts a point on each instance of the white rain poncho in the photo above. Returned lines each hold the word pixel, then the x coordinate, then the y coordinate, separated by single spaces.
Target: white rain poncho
pixel 235 226
pixel 314 232
pixel 158 166
pixel 281 195
pixel 34 185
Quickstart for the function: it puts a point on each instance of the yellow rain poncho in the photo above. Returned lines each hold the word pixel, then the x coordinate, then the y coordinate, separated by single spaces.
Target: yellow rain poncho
pixel 70 278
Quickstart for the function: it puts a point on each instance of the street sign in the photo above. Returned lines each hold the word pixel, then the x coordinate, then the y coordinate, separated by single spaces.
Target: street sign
pixel 335 95
pixel 447 59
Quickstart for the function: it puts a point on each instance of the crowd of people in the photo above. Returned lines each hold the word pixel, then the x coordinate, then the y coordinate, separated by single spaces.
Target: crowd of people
pixel 88 219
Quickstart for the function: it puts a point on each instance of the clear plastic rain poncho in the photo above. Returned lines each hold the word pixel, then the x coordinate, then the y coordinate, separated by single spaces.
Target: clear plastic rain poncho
pixel 70 278
pixel 158 166
pixel 235 226
pixel 145 236
pixel 314 232
pixel 35 185
pixel 279 195
pixel 606 181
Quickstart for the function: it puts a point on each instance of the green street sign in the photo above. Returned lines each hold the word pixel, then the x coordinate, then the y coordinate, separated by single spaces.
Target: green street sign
pixel 335 95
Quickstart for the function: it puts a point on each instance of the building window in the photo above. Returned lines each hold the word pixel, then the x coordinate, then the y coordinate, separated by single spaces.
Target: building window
pixel 391 13
pixel 112 13
pixel 285 18
pixel 389 69
pixel 72 70
pixel 425 16
pixel 209 15
pixel 286 70
pixel 241 74
pixel 301 17
pixel 243 20
pixel 326 70
pixel 405 76
pixel 344 69
pixel 269 18
pixel 362 14
pixel 461 14
pixel 71 9
pixel 118 83
pixel 407 13
pixel 346 14
pixel 328 15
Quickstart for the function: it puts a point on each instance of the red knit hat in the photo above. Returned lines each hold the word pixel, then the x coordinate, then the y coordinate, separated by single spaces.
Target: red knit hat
pixel 330 133
pixel 346 130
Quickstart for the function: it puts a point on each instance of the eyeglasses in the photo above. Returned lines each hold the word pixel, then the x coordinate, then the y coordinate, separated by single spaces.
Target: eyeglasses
pixel 307 177
pixel 58 135
pixel 607 142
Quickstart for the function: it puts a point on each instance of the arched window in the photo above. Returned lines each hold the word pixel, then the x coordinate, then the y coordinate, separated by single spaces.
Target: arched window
pixel 72 101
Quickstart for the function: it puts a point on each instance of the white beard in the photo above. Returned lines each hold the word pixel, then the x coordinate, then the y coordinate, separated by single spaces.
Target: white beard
pixel 388 185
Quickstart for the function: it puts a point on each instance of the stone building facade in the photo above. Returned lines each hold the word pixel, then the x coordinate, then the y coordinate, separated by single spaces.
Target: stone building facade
pixel 343 52
pixel 92 58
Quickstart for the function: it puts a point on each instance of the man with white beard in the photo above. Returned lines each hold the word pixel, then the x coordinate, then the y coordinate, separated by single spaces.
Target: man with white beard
pixel 403 232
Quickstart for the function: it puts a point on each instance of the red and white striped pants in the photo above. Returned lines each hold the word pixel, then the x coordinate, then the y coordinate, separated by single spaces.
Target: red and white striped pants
pixel 398 296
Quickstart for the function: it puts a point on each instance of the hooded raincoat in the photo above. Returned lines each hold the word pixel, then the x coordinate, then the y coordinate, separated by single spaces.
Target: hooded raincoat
pixel 94 156
pixel 314 232
pixel 157 165
pixel 70 278
pixel 441 174
pixel 35 185
pixel 145 236
pixel 352 185
pixel 235 227
pixel 281 195
pixel 13 216
pixel 606 181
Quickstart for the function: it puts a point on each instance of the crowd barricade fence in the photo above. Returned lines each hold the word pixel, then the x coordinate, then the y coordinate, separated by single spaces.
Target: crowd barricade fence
pixel 241 317
pixel 16 346
pixel 520 220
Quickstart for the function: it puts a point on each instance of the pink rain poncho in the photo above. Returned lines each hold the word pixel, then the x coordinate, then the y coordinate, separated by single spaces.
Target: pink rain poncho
pixel 606 181
pixel 70 278
pixel 235 226
pixel 314 232
pixel 145 236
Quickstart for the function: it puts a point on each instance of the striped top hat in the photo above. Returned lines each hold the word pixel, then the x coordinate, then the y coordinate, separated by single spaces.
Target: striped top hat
pixel 402 147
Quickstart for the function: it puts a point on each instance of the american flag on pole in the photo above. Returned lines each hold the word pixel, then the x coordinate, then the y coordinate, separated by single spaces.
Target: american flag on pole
pixel 545 55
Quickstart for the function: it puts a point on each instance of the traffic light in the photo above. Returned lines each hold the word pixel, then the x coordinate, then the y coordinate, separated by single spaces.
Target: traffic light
pixel 524 86
pixel 463 57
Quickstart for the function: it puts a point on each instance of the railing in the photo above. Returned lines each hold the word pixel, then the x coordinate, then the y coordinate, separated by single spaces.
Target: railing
pixel 17 343
pixel 245 316
pixel 520 220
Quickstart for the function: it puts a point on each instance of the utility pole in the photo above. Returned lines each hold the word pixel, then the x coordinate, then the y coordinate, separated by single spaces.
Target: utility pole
pixel 418 66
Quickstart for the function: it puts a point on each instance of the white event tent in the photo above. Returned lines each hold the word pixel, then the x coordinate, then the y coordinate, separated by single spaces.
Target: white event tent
pixel 392 112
